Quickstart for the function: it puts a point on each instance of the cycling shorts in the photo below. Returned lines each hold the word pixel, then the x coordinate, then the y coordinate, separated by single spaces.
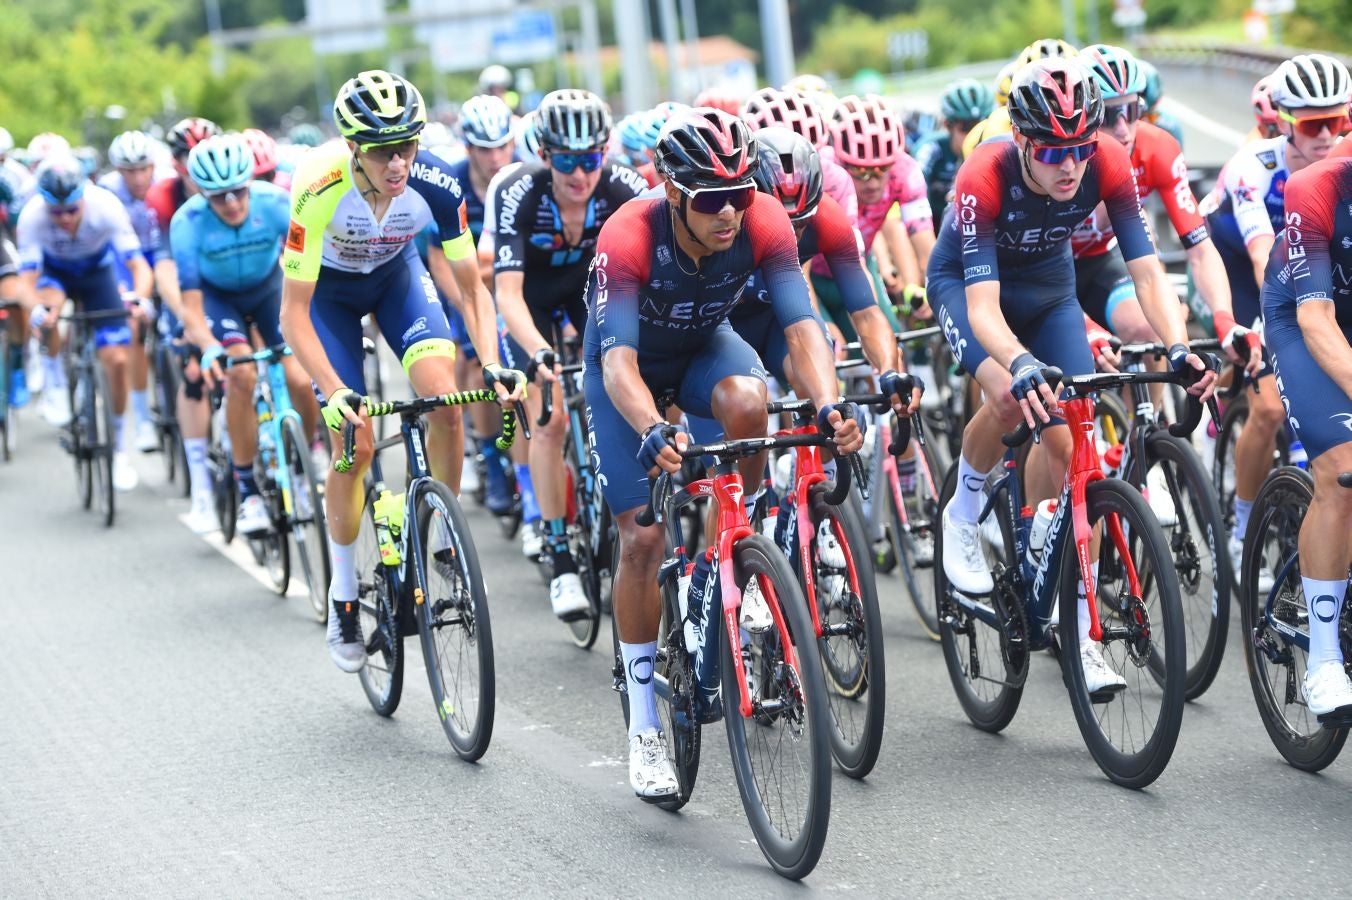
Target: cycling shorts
pixel 402 297
pixel 1320 412
pixel 93 291
pixel 1102 282
pixel 230 313
pixel 459 333
pixel 688 380
pixel 560 305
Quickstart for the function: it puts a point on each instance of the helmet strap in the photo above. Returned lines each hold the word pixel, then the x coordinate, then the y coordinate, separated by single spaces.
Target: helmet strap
pixel 1024 156
pixel 679 215
pixel 356 164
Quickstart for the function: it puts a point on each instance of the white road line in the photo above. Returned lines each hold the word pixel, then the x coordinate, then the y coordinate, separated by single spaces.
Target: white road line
pixel 238 552
pixel 1193 118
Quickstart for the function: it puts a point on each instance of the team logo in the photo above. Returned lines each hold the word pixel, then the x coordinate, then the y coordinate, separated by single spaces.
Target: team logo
pixel 295 238
pixel 1268 158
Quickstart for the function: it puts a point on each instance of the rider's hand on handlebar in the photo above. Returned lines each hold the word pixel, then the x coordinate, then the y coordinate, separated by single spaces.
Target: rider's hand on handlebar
pixel 212 371
pixel 841 422
pixel 1242 345
pixel 661 447
pixel 1104 348
pixel 1180 358
pixel 1029 385
pixel 545 365
pixel 338 409
pixel 510 383
pixel 904 402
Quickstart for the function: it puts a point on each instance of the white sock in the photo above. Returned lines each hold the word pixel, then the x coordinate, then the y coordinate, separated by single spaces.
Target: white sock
pixel 195 449
pixel 343 585
pixel 1082 615
pixel 639 660
pixel 140 404
pixel 1324 600
pixel 120 425
pixel 749 502
pixel 1242 510
pixel 53 370
pixel 966 504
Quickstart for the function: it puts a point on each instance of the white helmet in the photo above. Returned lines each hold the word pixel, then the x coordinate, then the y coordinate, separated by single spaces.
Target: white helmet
pixel 44 145
pixel 6 141
pixel 495 76
pixel 1311 80
pixel 131 150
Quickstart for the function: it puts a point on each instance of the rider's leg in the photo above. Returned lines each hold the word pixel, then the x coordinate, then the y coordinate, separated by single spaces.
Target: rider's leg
pixel 1255 446
pixel 240 419
pixel 431 375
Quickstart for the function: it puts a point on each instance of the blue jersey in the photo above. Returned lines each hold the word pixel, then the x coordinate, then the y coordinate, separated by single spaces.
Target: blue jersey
pixel 474 204
pixel 208 251
pixel 143 218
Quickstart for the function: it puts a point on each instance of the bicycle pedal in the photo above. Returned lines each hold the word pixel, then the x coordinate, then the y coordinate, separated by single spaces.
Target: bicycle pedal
pixel 1105 695
pixel 1339 718
pixel 577 616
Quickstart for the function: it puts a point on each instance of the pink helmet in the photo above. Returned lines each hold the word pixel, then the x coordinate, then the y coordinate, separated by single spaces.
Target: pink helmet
pixel 789 109
pixel 715 98
pixel 1261 98
pixel 264 151
pixel 865 133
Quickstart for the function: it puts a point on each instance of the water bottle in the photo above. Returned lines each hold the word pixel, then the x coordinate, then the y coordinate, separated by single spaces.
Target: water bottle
pixel 1042 522
pixel 388 515
pixel 1298 455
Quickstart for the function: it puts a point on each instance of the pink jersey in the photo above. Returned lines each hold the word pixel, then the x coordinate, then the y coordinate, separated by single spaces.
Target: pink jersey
pixel 838 185
pixel 905 187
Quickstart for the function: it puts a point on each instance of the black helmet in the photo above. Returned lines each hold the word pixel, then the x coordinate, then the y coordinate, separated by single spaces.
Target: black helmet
pixel 1056 101
pixel 61 180
pixel 573 120
pixel 790 171
pixel 188 133
pixel 707 148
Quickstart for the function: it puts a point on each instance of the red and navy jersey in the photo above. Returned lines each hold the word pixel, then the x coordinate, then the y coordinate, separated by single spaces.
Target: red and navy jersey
pixel 1158 166
pixel 1312 258
pixel 997 223
pixel 830 234
pixel 644 292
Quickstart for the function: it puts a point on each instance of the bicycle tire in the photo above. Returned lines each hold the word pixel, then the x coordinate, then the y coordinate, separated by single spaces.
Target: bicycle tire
pixel 224 489
pixel 585 628
pixel 1158 685
pixel 795 854
pixel 6 414
pixel 851 645
pixel 166 422
pixel 923 518
pixel 81 442
pixel 1109 408
pixel 455 609
pixel 274 543
pixel 988 708
pixel 1206 613
pixel 104 445
pixel 382 678
pixel 309 529
pixel 1277 511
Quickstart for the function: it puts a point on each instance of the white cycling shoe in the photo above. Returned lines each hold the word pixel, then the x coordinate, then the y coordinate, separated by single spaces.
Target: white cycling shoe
pixel 1265 578
pixel 650 772
pixel 964 563
pixel 202 517
pixel 253 516
pixel 56 407
pixel 1098 675
pixel 1161 502
pixel 147 436
pixel 828 548
pixel 347 649
pixel 532 541
pixel 1327 689
pixel 566 595
pixel 124 476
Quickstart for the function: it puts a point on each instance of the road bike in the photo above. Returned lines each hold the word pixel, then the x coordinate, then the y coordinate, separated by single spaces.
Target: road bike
pixel 91 437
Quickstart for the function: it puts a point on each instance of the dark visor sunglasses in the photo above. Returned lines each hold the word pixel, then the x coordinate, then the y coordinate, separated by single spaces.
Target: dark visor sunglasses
pixel 1313 126
pixel 711 203
pixel 1054 156
pixel 567 163
pixel 1129 111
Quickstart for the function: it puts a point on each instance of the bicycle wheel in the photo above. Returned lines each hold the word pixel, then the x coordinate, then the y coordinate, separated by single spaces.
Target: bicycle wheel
pixel 1112 422
pixel 1201 561
pixel 986 664
pixel 274 543
pixel 6 414
pixel 851 642
pixel 780 753
pixel 913 538
pixel 382 678
pixel 166 398
pixel 453 623
pixel 585 627
pixel 1276 664
pixel 308 528
pixel 220 466
pixel 104 443
pixel 81 440
pixel 1130 732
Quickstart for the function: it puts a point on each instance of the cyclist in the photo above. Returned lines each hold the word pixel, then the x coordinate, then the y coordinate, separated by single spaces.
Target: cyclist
pixel 227 240
pixel 355 210
pixel 1307 306
pixel 996 125
pixel 486 128
pixel 16 185
pixel 44 146
pixel 1002 284
pixel 1267 122
pixel 963 104
pixel 69 235
pixel 132 154
pixel 667 272
pixel 802 114
pixel 1245 214
pixel 548 215
pixel 1102 282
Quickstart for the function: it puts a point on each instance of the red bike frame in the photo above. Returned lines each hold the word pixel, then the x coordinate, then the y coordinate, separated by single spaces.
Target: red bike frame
pixel 1085 467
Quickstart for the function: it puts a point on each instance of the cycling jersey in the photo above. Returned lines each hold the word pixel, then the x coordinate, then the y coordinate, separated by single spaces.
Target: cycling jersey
pixel 1342 148
pixel 143 219
pixel 1169 124
pixel 474 204
pixel 938 165
pixel 904 188
pixel 837 184
pixel 333 226
pixel 16 186
pixel 1158 166
pixel 211 253
pixel 104 232
pixel 163 199
pixel 1247 202
pixel 1311 262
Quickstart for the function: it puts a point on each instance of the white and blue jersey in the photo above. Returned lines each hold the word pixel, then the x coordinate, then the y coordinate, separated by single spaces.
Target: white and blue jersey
pixel 104 233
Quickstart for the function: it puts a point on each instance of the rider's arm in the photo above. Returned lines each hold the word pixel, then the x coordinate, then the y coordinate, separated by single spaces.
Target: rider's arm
pixel 839 245
pixel 1325 341
pixel 301 337
pixel 1259 248
pixel 619 272
pixel 914 207
pixel 511 298
pixel 183 238
pixel 195 327
pixel 1310 207
pixel 142 279
pixel 481 319
pixel 978 192
pixel 892 235
pixel 627 390
pixel 166 281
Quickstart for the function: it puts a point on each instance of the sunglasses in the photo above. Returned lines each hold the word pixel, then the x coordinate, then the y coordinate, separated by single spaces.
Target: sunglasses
pixel 568 163
pixel 1337 123
pixel 224 198
pixel 62 210
pixel 1054 156
pixel 383 153
pixel 1129 111
pixel 867 173
pixel 711 202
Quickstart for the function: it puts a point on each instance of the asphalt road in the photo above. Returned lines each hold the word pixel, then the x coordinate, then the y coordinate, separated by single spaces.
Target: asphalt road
pixel 171 727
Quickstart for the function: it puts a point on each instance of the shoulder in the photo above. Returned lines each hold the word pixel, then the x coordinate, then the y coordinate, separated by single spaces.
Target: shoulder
pixel 430 173
pixel 111 181
pixel 1342 149
pixel 1154 141
pixel 190 211
pixel 623 177
pixel 1268 155
pixel 33 210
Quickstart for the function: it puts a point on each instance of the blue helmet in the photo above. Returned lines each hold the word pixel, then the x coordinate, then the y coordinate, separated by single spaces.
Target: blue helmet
pixel 486 121
pixel 221 163
pixel 639 131
pixel 1117 72
pixel 61 180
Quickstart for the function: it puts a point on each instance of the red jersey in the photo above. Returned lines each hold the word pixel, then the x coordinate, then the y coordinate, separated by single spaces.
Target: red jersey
pixel 164 198
pixel 1157 165
pixel 1342 148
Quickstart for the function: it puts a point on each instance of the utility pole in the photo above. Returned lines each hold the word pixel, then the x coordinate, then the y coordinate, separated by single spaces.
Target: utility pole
pixel 631 31
pixel 671 40
pixel 691 28
pixel 779 67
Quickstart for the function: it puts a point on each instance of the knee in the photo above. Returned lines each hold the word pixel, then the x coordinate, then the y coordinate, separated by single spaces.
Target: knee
pixel 641 547
pixel 739 405
pixel 1265 408
pixel 241 380
pixel 1005 409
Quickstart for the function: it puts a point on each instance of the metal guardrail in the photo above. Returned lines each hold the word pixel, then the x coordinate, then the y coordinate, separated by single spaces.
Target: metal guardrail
pixel 1219 54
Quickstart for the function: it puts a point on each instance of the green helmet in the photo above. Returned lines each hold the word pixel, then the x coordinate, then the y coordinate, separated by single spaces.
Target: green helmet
pixel 1151 91
pixel 1118 72
pixel 966 100
pixel 305 135
pixel 378 107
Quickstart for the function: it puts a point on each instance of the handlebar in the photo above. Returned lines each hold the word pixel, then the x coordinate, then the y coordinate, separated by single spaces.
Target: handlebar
pixel 266 355
pixel 411 409
pixel 1244 352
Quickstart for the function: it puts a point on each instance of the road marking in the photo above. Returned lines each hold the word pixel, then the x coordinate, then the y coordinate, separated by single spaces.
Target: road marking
pixel 1192 117
pixel 238 552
